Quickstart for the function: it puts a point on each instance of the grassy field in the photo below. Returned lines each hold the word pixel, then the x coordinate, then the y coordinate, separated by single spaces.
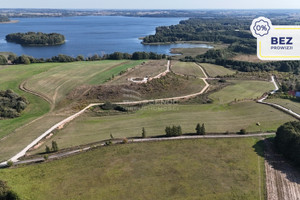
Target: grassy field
pixel 187 68
pixel 59 81
pixel 294 106
pixel 217 119
pixel 189 169
pixel 216 70
pixel 19 132
pixel 242 90
pixel 148 69
pixel 10 78
pixel 247 58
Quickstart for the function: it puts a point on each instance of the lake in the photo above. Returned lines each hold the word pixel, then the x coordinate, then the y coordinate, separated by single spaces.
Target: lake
pixel 90 35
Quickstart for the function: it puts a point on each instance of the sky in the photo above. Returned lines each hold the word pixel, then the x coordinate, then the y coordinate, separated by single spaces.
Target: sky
pixel 152 4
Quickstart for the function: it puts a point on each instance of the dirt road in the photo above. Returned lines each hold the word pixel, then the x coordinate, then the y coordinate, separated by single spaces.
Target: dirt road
pixel 279 107
pixel 282 179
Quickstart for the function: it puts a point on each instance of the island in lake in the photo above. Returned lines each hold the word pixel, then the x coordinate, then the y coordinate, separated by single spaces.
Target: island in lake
pixel 36 39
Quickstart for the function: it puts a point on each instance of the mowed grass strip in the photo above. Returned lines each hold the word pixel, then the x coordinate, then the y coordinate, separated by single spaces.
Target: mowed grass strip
pixel 59 81
pixel 216 70
pixel 222 169
pixel 155 118
pixel 241 90
pixel 289 104
pixel 187 68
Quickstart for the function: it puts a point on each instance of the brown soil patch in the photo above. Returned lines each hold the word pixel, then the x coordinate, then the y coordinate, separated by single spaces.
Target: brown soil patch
pixel 282 179
pixel 170 85
pixel 247 58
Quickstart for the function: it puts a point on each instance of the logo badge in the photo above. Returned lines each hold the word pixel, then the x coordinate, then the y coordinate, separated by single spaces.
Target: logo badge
pixel 276 42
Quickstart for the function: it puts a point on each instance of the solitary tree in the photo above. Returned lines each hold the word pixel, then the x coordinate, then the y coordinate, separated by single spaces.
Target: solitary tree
pixel 143 133
pixel 198 129
pixel 179 130
pixel 54 146
pixel 202 129
pixel 47 149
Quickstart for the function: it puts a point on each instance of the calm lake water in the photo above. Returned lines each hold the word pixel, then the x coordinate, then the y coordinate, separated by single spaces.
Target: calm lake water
pixel 89 35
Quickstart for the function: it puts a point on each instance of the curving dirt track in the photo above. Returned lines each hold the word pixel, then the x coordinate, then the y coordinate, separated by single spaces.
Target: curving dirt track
pixel 282 179
pixel 22 87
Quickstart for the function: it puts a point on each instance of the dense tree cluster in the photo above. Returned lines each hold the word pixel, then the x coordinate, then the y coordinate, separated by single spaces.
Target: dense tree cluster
pixel 287 141
pixel 135 56
pixel 173 131
pixel 3 60
pixel 11 104
pixel 6 193
pixel 227 30
pixel 36 38
pixel 200 129
pixel 222 57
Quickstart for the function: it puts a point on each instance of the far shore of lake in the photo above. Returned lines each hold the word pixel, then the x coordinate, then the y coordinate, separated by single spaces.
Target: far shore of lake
pixel 10 22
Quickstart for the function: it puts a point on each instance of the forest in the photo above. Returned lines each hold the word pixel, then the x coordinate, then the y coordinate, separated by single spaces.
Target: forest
pixel 287 141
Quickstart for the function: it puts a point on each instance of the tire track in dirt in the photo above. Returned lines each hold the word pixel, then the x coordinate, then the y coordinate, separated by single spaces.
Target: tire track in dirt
pixel 22 87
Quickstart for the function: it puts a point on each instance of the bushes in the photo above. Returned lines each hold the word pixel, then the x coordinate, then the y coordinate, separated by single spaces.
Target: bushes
pixel 242 131
pixel 11 104
pixel 173 131
pixel 3 60
pixel 110 106
pixel 6 193
pixel 287 141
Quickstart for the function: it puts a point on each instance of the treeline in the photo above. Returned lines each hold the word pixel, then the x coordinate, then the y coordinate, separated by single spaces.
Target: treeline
pixel 287 141
pixel 222 57
pixel 36 38
pixel 227 30
pixel 24 59
pixel 11 104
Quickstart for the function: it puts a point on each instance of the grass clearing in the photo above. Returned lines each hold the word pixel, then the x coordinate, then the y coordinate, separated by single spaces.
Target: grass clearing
pixel 248 58
pixel 187 68
pixel 242 90
pixel 59 81
pixel 292 105
pixel 19 132
pixel 217 119
pixel 187 169
pixel 150 68
pixel 216 70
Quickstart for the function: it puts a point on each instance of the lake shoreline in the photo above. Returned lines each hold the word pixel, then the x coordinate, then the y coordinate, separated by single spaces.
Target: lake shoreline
pixel 10 22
